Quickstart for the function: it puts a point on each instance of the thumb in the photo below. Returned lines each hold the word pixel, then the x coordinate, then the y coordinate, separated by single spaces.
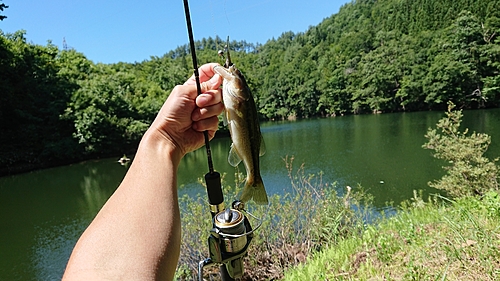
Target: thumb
pixel 212 84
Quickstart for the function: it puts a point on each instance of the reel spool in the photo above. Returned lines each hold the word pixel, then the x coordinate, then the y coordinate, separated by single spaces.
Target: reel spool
pixel 232 230
pixel 229 240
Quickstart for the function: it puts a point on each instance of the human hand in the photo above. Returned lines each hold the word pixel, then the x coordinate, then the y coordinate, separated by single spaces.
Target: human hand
pixel 184 115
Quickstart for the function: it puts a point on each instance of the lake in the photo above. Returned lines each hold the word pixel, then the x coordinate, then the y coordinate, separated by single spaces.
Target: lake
pixel 42 213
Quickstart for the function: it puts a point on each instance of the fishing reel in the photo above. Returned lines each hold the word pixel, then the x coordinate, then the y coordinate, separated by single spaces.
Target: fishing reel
pixel 231 233
pixel 229 240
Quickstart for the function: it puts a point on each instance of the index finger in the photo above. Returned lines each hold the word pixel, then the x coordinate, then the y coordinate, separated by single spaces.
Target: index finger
pixel 205 71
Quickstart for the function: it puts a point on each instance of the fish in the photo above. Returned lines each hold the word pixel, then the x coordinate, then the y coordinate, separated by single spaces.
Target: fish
pixel 243 123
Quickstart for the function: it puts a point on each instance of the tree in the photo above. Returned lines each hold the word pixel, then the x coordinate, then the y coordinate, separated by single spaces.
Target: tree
pixel 455 73
pixel 469 172
pixel 490 57
pixel 33 97
pixel 103 113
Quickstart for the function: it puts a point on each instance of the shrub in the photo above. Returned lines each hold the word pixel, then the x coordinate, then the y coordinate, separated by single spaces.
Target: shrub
pixel 307 218
pixel 469 172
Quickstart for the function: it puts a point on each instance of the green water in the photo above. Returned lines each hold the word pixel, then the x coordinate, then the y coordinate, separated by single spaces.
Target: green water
pixel 42 213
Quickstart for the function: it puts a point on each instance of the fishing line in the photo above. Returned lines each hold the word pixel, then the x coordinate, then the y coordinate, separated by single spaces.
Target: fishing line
pixel 212 14
pixel 241 8
pixel 214 4
pixel 213 24
pixel 225 14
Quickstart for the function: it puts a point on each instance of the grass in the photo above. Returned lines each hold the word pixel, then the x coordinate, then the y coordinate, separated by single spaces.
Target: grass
pixel 295 225
pixel 440 239
pixel 435 240
pixel 314 233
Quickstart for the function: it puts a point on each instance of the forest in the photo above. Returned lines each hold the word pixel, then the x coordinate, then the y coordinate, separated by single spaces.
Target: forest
pixel 58 107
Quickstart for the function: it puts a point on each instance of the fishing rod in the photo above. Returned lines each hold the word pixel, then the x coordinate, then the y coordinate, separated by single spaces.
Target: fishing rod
pixel 231 231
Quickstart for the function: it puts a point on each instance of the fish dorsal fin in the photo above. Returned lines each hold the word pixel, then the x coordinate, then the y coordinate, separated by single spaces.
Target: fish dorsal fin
pixel 234 159
pixel 262 150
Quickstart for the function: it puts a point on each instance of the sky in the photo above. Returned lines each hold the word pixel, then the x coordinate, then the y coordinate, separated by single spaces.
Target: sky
pixel 111 31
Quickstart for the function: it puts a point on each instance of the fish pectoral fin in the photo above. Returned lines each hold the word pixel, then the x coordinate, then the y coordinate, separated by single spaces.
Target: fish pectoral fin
pixel 224 117
pixel 262 149
pixel 234 159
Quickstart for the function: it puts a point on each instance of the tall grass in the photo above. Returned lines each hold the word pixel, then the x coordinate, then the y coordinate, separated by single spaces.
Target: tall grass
pixel 436 240
pixel 441 239
pixel 309 217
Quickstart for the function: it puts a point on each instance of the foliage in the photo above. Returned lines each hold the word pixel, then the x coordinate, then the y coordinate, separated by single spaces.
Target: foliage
pixel 58 106
pixel 103 111
pixel 296 225
pixel 33 97
pixel 435 240
pixel 384 56
pixel 469 172
pixel 370 57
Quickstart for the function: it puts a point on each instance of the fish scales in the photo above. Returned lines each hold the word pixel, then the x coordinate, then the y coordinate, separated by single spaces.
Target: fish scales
pixel 243 123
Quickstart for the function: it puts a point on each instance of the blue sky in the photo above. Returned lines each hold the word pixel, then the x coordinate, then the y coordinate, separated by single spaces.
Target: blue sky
pixel 111 31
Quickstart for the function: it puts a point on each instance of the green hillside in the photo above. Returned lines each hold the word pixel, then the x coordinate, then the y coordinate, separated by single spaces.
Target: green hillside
pixel 56 106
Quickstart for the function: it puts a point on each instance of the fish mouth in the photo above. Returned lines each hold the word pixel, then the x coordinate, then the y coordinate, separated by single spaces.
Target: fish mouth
pixel 231 70
pixel 228 74
pixel 232 82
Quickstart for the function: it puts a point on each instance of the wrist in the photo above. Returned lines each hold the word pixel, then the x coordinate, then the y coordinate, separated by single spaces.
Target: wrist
pixel 159 145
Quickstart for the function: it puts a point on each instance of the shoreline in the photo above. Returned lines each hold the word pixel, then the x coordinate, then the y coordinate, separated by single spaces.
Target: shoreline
pixel 23 168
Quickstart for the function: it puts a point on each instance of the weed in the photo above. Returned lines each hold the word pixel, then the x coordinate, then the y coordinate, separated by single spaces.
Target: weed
pixel 306 219
pixel 438 240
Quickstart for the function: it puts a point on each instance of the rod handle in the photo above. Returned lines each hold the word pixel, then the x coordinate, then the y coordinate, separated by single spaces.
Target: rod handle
pixel 214 189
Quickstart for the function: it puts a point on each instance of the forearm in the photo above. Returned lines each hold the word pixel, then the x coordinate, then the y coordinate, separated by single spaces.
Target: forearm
pixel 129 238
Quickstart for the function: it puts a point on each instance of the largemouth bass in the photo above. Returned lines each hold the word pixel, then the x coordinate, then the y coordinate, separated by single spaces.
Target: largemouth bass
pixel 243 123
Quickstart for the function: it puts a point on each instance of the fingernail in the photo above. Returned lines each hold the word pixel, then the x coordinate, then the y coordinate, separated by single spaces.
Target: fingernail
pixel 202 99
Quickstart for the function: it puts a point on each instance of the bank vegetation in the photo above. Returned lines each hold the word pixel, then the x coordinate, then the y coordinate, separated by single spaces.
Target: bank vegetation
pixel 454 235
pixel 321 231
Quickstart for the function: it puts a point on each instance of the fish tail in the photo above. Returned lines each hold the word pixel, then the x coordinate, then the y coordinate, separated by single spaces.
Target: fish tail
pixel 255 190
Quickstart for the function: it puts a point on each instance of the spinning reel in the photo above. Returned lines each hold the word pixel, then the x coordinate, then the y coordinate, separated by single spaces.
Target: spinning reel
pixel 232 233
pixel 229 240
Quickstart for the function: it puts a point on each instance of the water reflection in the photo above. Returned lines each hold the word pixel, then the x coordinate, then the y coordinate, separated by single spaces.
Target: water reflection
pixel 94 196
pixel 43 213
pixel 52 248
